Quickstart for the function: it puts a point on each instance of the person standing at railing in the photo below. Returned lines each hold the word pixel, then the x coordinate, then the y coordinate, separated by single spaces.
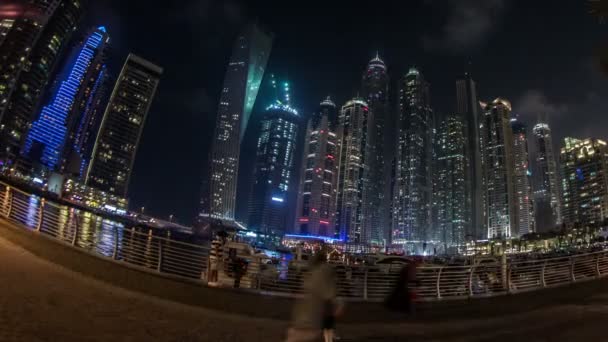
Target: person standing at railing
pixel 403 296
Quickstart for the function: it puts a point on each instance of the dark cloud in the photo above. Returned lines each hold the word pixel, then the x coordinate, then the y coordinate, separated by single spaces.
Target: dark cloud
pixel 534 103
pixel 467 25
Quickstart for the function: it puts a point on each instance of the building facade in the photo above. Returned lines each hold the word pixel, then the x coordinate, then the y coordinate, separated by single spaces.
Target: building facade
pixel 241 85
pixel 316 208
pixel 122 125
pixel 374 88
pixel 585 182
pixel 467 106
pixel 547 186
pixel 451 191
pixel 353 134
pixel 274 169
pixel 64 123
pixel 498 170
pixel 412 216
pixel 30 54
pixel 522 178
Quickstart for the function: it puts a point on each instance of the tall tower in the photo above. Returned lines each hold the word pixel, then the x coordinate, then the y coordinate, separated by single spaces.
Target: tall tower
pixel 316 210
pixel 414 184
pixel 123 122
pixel 467 106
pixel 452 214
pixel 547 186
pixel 353 134
pixel 585 182
pixel 498 169
pixel 522 174
pixel 241 85
pixel 68 114
pixel 274 169
pixel 30 53
pixel 375 92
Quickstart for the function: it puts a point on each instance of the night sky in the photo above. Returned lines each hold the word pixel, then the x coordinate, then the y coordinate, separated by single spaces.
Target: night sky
pixel 538 54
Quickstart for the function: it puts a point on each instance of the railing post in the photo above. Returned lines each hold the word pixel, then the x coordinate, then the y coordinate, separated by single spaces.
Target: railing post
pixel 542 275
pixel 471 272
pixel 160 256
pixel 437 285
pixel 572 277
pixel 365 284
pixel 115 252
pixel 75 230
pixel 598 273
pixel 10 203
pixel 507 283
pixel 40 215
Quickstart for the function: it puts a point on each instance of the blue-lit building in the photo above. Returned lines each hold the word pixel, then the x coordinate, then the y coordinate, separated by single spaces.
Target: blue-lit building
pixel 274 168
pixel 66 127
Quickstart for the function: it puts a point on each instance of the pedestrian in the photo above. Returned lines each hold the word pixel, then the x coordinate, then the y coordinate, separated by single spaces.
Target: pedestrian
pixel 404 293
pixel 240 268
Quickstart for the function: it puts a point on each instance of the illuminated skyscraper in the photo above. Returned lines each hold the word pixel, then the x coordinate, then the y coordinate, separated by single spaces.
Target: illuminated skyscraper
pixel 467 106
pixel 499 169
pixel 241 84
pixel 316 210
pixel 375 92
pixel 63 124
pixel 452 212
pixel 412 219
pixel 274 169
pixel 547 186
pixel 353 134
pixel 522 175
pixel 30 53
pixel 123 122
pixel 585 182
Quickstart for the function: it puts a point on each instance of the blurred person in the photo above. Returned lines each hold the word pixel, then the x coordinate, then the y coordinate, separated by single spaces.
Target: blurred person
pixel 404 293
pixel 314 315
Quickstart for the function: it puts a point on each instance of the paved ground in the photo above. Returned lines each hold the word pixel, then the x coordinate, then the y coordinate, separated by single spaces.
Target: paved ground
pixel 42 301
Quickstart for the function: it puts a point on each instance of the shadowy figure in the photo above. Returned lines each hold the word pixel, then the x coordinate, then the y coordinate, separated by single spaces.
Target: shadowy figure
pixel 403 295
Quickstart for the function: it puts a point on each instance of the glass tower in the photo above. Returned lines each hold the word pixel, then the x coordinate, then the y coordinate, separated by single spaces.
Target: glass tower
pixel 547 187
pixel 274 169
pixel 522 175
pixel 123 122
pixel 412 216
pixel 30 53
pixel 498 169
pixel 375 91
pixel 68 114
pixel 241 85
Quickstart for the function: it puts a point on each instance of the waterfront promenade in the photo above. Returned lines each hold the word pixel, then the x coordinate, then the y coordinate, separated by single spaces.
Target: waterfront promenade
pixel 50 292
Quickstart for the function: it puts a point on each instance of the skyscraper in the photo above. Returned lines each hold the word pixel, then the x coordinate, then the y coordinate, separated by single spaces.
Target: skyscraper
pixel 316 210
pixel 467 106
pixel 30 53
pixel 452 215
pixel 241 85
pixel 547 186
pixel 62 123
pixel 123 122
pixel 498 169
pixel 585 182
pixel 375 91
pixel 274 169
pixel 414 184
pixel 353 134
pixel 522 175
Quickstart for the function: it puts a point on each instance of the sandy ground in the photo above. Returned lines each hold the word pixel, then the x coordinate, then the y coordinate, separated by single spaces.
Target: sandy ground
pixel 41 301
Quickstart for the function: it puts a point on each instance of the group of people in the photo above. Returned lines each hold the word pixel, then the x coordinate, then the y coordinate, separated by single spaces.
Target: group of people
pixel 314 315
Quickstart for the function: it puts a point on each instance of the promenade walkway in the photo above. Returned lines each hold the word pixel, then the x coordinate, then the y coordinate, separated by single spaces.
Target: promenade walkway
pixel 74 298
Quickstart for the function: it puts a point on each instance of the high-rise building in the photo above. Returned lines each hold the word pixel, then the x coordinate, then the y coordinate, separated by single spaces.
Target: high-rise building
pixel 412 216
pixel 498 169
pixel 451 191
pixel 274 169
pixel 375 92
pixel 467 106
pixel 316 210
pixel 547 186
pixel 522 176
pixel 64 123
pixel 29 56
pixel 241 85
pixel 123 122
pixel 353 134
pixel 585 182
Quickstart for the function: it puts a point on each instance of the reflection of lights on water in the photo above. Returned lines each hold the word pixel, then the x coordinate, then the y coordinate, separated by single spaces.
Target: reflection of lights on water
pixel 31 219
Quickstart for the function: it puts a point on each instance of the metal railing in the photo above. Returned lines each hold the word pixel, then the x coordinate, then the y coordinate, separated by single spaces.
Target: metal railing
pixel 106 238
